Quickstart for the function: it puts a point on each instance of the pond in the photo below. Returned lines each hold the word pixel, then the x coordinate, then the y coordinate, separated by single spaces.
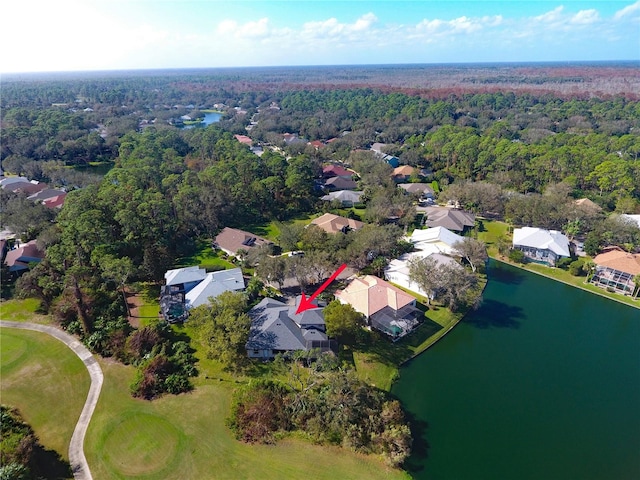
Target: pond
pixel 543 381
pixel 209 118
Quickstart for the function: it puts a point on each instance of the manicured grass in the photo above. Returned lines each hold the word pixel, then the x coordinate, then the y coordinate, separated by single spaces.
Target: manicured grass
pixel 268 230
pixel 565 277
pixel 492 231
pixel 177 437
pixel 174 437
pixel 378 363
pixel 372 370
pixel 46 381
pixel 22 311
pixel 495 229
pixel 205 257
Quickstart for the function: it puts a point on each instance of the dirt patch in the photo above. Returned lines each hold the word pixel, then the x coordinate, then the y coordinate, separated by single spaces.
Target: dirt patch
pixel 134 302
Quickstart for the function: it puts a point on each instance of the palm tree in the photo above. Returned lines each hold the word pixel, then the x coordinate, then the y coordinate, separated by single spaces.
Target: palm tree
pixel 589 267
pixel 636 281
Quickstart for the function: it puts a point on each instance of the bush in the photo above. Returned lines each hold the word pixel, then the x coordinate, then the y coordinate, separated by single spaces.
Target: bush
pixel 577 268
pixel 564 263
pixel 516 255
pixel 177 383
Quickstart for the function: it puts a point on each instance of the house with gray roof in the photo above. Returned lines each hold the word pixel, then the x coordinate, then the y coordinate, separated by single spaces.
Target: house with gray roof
pixel 348 198
pixel 213 285
pixel 541 246
pixel 276 328
pixel 423 190
pixel 340 183
pixel 449 218
pixel 184 279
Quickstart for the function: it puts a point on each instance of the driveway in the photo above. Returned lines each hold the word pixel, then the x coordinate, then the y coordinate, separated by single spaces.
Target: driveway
pixel 78 462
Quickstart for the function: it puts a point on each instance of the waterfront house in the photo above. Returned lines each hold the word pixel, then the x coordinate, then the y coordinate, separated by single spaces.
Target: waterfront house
pixel 398 270
pixel 386 307
pixel 276 328
pixel 616 270
pixel 540 245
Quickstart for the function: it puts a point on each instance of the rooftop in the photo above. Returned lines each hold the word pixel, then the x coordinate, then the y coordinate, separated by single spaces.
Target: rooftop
pixel 331 223
pixel 371 294
pixel 619 260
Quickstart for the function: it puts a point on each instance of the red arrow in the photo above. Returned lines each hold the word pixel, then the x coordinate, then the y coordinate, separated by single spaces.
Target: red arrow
pixel 305 303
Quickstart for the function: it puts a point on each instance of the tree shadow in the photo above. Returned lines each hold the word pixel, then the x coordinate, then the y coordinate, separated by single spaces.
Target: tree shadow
pixel 509 276
pixel 420 446
pixel 49 465
pixel 427 329
pixel 495 314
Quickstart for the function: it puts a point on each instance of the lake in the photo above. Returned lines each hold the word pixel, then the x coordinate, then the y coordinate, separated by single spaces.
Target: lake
pixel 209 118
pixel 543 381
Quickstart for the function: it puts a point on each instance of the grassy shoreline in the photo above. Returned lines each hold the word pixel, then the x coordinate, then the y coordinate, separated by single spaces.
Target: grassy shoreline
pixel 577 283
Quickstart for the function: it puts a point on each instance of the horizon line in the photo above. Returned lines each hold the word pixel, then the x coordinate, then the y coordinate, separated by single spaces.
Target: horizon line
pixel 247 67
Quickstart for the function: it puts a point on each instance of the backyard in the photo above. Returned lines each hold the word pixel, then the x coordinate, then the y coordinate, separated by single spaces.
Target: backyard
pixel 177 437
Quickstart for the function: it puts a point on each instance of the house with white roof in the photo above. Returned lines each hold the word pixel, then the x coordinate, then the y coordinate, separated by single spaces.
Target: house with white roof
pixel 397 271
pixel 213 285
pixel 633 218
pixel 435 240
pixel 540 245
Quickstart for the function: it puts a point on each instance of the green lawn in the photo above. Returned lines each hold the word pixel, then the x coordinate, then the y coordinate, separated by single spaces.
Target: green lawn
pixel 46 381
pixel 185 437
pixel 22 311
pixel 175 437
pixel 495 229
pixel 378 363
pixel 205 257
pixel 491 231
pixel 565 277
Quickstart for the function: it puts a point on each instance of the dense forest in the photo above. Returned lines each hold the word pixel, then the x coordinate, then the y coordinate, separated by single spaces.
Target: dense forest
pixel 143 190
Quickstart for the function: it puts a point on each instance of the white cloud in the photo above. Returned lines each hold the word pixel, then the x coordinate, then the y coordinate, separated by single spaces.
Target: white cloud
pixel 88 34
pixel 585 17
pixel 364 22
pixel 550 17
pixel 626 11
pixel 249 30
pixel 334 29
pixel 460 25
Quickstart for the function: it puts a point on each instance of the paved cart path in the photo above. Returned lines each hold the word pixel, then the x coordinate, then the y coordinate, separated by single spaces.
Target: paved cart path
pixel 78 461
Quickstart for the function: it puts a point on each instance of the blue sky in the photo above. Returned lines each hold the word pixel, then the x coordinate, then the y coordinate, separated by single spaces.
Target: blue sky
pixel 63 35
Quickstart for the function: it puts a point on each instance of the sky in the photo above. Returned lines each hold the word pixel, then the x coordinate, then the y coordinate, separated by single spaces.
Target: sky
pixel 77 35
